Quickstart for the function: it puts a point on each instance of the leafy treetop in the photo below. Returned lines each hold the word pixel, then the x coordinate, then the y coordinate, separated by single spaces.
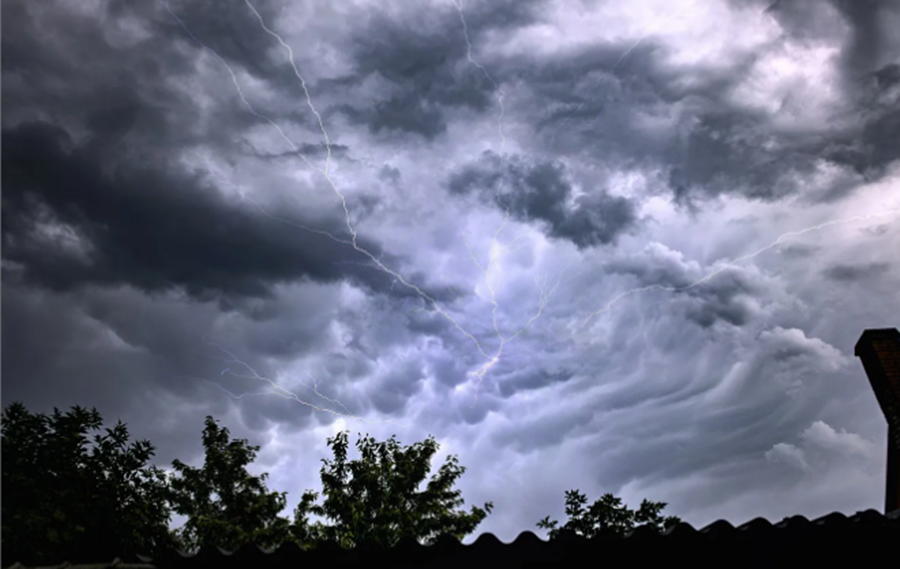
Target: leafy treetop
pixel 607 515
pixel 376 498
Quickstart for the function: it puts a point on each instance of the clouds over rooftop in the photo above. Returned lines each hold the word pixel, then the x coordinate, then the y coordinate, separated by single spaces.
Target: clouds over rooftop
pixel 624 247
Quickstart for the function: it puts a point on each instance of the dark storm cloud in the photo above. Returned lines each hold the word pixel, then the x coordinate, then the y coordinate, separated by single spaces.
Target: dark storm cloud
pixel 798 251
pixel 870 149
pixel 717 148
pixel 593 105
pixel 46 69
pixel 144 359
pixel 67 66
pixel 693 394
pixel 532 380
pixel 389 174
pixel 392 393
pixel 154 227
pixel 546 430
pixel 873 42
pixel 853 273
pixel 868 67
pixel 539 191
pixel 448 370
pixel 137 120
pixel 426 61
pixel 727 297
pixel 729 304
pixel 309 150
pixel 231 30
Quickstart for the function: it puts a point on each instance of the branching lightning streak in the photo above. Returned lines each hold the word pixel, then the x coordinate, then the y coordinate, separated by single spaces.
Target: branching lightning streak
pixel 731 264
pixel 242 395
pixel 481 372
pixel 215 174
pixel 353 234
pixel 281 391
pixel 399 278
pixel 492 360
pixel 500 92
pixel 308 102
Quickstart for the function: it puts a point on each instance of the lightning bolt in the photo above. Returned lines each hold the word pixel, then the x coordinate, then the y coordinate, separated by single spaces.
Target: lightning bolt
pixel 480 373
pixel 244 197
pixel 254 375
pixel 242 395
pixel 492 360
pixel 487 75
pixel 732 264
pixel 275 389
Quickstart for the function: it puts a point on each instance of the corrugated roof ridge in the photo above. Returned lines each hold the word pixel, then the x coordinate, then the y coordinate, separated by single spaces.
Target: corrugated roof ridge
pixel 489 540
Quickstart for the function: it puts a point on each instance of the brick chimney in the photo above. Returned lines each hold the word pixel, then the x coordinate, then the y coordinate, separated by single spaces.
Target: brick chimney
pixel 879 351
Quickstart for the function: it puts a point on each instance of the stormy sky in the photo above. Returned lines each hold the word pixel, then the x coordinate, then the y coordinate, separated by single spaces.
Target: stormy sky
pixel 618 247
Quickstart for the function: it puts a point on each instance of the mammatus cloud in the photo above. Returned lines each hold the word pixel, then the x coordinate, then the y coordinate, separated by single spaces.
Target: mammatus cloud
pixel 541 192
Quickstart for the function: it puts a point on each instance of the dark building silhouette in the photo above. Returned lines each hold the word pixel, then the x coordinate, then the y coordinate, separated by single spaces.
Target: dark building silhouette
pixel 879 351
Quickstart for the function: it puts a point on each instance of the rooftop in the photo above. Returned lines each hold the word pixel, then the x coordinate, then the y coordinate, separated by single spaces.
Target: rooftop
pixel 866 537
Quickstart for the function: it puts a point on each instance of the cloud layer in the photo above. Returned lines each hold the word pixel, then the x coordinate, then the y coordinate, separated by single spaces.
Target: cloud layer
pixel 617 248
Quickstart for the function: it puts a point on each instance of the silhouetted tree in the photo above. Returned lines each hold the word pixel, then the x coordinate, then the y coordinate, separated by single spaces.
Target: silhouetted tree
pixel 226 506
pixel 608 515
pixel 376 498
pixel 62 500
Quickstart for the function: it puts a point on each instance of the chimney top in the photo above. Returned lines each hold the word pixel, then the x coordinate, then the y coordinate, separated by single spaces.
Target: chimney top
pixel 879 351
pixel 875 334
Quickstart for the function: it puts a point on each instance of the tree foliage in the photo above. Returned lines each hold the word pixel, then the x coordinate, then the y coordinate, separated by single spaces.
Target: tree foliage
pixel 62 498
pixel 377 498
pixel 225 505
pixel 608 515
pixel 66 496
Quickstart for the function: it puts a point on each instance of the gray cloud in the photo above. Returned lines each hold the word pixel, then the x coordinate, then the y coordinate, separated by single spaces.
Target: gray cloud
pixel 850 273
pixel 153 229
pixel 425 60
pixel 539 192
pixel 716 145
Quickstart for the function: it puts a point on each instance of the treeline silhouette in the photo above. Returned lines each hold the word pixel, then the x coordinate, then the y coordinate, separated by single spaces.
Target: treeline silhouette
pixel 64 497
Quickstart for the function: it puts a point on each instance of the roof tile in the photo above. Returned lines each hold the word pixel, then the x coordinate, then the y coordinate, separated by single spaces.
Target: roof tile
pixel 681 530
pixel 720 528
pixel 756 525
